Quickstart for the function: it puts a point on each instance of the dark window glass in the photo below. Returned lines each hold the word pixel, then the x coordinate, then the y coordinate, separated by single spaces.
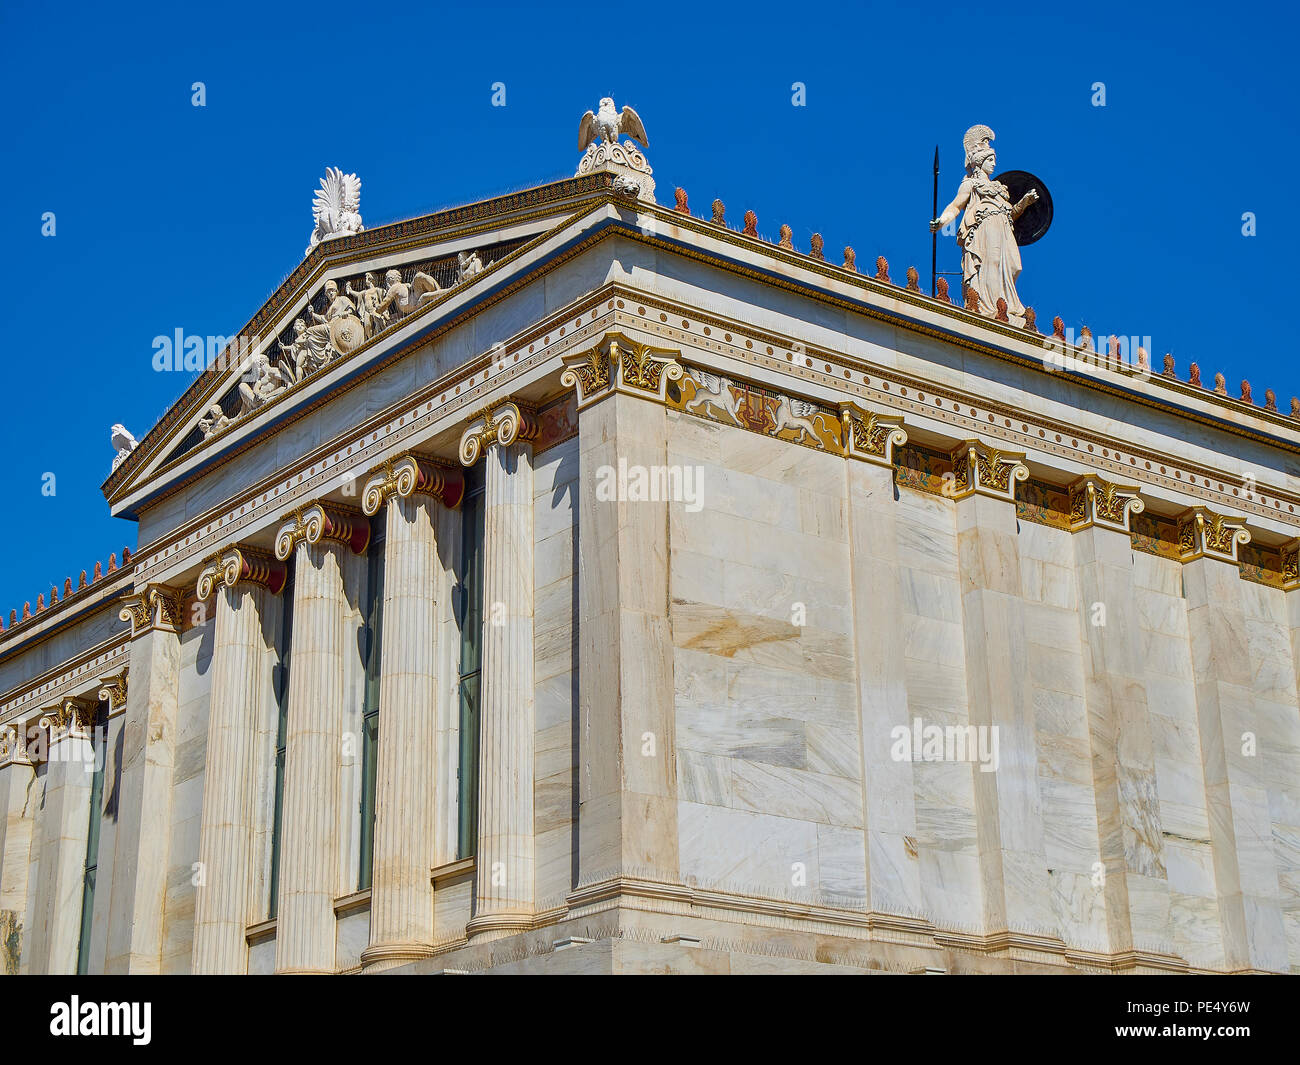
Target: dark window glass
pixel 371 644
pixel 470 615
pixel 282 729
pixel 99 745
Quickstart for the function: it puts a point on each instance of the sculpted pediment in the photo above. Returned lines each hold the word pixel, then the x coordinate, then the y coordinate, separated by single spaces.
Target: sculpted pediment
pixel 353 301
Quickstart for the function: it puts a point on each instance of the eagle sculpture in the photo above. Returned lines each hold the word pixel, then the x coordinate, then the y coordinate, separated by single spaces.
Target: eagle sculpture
pixel 123 443
pixel 607 124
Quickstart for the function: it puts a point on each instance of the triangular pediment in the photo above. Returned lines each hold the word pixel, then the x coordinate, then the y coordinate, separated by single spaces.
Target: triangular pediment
pixel 353 301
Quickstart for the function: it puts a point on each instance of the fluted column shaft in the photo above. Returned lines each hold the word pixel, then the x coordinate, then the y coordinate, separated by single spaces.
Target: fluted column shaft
pixel 401 896
pixel 504 863
pixel 224 903
pixel 309 866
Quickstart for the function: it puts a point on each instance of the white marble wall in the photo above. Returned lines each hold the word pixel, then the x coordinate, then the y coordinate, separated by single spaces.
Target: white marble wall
pixel 768 756
pixel 1269 638
pixel 767 732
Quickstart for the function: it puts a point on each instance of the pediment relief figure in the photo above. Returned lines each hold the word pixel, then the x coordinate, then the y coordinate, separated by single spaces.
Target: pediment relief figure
pixel 404 298
pixel 345 313
pixel 261 381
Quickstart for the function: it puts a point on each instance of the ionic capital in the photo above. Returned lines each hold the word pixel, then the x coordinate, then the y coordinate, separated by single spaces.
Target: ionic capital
pixel 157 606
pixel 502 423
pixel 112 690
pixel 13 744
pixel 617 363
pixel 323 521
pixel 869 436
pixel 1291 565
pixel 1094 501
pixel 978 468
pixel 1205 534
pixel 241 565
pixel 70 716
pixel 410 475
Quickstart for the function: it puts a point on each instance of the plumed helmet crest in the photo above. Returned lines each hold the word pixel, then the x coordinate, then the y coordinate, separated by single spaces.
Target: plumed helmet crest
pixel 976 138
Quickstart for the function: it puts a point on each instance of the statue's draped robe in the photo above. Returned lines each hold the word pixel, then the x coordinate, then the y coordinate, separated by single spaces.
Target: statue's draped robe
pixel 990 260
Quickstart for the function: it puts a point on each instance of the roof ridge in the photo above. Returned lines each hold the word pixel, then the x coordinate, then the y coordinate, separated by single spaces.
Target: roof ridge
pixel 69 593
pixel 1112 358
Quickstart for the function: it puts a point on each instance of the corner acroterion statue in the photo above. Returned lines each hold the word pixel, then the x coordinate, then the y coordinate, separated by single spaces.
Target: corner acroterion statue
pixel 990 257
pixel 336 208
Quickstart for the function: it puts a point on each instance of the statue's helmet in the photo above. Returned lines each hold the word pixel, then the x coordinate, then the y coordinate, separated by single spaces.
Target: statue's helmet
pixel 976 143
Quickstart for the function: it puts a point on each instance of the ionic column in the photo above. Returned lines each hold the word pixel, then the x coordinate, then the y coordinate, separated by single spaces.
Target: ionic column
pixel 504 861
pixel 142 838
pixel 65 826
pixel 406 784
pixel 19 796
pixel 1241 832
pixel 628 771
pixel 1008 808
pixel 309 865
pixel 893 879
pixel 245 582
pixel 1135 890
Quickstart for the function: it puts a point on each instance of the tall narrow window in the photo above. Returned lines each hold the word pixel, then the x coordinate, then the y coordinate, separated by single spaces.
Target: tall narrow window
pixel 372 636
pixel 99 747
pixel 282 730
pixel 470 610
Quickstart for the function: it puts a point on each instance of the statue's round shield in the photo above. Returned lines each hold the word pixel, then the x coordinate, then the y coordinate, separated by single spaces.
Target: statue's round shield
pixel 1037 217
pixel 347 333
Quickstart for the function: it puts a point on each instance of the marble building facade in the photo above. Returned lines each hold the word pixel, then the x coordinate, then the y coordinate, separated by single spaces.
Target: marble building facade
pixel 392 685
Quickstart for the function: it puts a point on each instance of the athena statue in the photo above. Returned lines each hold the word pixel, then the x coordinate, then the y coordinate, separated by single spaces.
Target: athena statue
pixel 990 259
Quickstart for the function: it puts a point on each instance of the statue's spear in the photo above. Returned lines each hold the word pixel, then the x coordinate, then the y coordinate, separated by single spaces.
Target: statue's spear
pixel 934 237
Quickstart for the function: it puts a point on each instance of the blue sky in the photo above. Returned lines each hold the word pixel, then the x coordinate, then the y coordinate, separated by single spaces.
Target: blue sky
pixel 173 216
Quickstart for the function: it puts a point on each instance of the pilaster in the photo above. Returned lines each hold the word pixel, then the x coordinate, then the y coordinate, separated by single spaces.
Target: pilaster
pixel 1241 834
pixel 1008 807
pixel 143 824
pixel 628 772
pixel 68 775
pixel 1135 888
pixel 19 796
pixel 889 796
